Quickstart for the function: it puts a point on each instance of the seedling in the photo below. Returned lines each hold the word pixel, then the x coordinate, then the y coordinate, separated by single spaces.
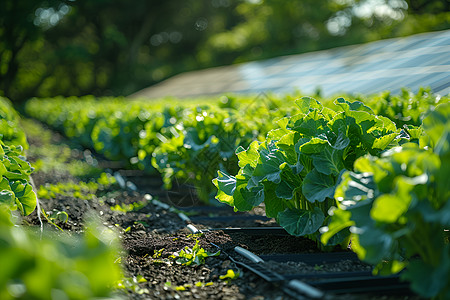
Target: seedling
pixel 193 256
pixel 230 275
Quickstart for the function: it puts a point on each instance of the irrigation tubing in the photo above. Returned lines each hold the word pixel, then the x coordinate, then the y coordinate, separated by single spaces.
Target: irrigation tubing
pixel 299 286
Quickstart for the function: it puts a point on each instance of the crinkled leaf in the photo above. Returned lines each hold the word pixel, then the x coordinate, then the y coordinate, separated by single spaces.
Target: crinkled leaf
pixel 356 105
pixel 314 124
pixel 301 222
pixel 383 141
pixel 306 104
pixel 249 156
pixel 310 145
pixel 268 167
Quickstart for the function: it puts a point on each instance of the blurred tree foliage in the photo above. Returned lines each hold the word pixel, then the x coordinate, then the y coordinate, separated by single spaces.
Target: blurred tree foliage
pixel 115 47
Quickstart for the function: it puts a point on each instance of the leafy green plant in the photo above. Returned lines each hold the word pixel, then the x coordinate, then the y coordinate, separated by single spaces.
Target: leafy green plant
pixel 15 189
pixel 230 275
pixel 132 284
pixel 56 267
pixel 398 208
pixel 10 131
pixel 60 216
pixel 82 190
pixel 124 208
pixel 193 256
pixel 54 154
pixel 296 169
pixel 202 142
pixel 117 135
pixel 16 192
pixel 406 108
pixel 188 141
pixel 183 140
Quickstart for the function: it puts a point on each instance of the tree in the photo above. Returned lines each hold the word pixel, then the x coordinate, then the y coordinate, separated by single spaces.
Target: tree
pixel 115 47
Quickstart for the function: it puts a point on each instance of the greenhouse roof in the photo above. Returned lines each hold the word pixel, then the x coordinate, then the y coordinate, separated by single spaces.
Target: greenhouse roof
pixel 412 62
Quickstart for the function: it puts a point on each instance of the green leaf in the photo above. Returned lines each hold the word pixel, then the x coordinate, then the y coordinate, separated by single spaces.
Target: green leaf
pixel 222 197
pixel 378 245
pixel 355 189
pixel 341 142
pixel 389 207
pixel 273 204
pixel 329 161
pixel 307 104
pixel 383 141
pixel 277 134
pixel 249 156
pixel 289 184
pixel 245 199
pixel 436 123
pixel 25 196
pixel 301 222
pixel 313 124
pixel 225 183
pixel 356 105
pixel 318 186
pixel 7 198
pixel 328 113
pixel 2 169
pixel 310 145
pixel 268 167
pixel 287 145
pixel 340 219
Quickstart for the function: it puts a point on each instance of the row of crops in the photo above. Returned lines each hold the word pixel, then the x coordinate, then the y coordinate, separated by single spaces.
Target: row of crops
pixel 38 265
pixel 371 174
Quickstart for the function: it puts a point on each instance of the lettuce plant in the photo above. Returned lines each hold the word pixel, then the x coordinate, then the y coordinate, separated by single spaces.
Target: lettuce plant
pixel 10 131
pixel 296 169
pixel 57 267
pixel 398 208
pixel 202 141
pixel 406 108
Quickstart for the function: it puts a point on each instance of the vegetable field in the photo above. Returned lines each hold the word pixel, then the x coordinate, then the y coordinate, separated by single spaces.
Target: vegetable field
pixel 96 195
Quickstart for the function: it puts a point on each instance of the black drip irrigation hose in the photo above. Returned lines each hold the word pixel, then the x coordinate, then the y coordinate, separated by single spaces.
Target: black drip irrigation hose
pixel 298 286
pixel 295 288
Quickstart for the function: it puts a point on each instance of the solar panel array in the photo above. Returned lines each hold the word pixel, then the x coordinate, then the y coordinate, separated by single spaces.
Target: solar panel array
pixel 412 62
